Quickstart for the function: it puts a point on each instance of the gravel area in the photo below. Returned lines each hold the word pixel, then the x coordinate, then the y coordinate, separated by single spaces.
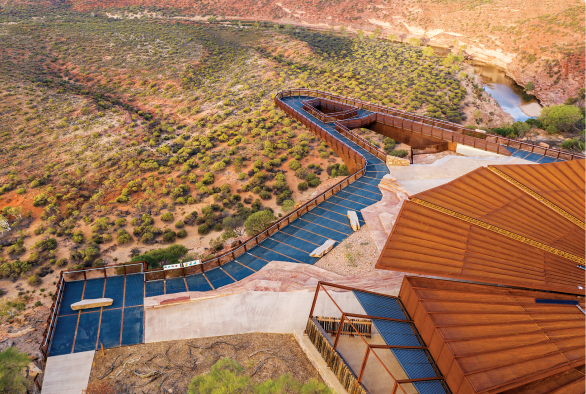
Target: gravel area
pixel 168 367
pixel 355 255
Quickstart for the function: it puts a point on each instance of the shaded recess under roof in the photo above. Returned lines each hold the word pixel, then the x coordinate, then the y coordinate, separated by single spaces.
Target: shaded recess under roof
pixel 519 225
pixel 489 339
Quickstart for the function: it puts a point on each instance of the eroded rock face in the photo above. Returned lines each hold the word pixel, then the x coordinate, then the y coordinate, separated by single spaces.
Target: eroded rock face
pixel 397 161
pixel 381 217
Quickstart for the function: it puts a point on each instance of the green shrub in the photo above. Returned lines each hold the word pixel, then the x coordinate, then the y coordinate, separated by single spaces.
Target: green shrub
pixel 561 117
pixel 288 206
pixel 123 237
pixel 169 235
pixel 302 186
pixel 78 237
pixel 573 144
pixel 343 170
pixel 12 364
pixel 33 280
pixel 218 227
pixel 301 173
pixel 265 195
pixel 181 234
pixel 179 224
pixel 120 222
pixel 314 182
pixel 40 199
pixel 203 229
pixel 227 376
pixel 399 153
pixel 167 217
pixel 62 262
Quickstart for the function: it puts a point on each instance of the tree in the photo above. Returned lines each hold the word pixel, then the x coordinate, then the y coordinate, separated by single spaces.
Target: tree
pixel 258 221
pixel 530 86
pixel 234 223
pixel 227 376
pixel 12 362
pixel 562 117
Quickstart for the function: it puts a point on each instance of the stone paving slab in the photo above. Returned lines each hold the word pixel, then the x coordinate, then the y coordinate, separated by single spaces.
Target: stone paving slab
pixel 68 373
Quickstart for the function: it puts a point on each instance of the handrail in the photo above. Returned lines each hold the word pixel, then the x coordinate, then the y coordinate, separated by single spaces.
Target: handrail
pixel 352 154
pixel 310 106
pixel 321 285
pixel 441 127
pixel 58 298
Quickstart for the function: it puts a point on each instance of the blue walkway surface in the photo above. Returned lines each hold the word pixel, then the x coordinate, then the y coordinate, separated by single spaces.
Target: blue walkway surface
pixel 534 157
pixel 111 326
pixel 295 241
pixel 122 323
pixel 415 362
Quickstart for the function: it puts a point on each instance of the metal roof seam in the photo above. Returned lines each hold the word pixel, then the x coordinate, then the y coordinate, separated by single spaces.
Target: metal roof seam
pixel 498 230
pixel 539 198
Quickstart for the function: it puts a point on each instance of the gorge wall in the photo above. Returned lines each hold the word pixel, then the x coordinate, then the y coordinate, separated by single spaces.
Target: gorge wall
pixel 533 41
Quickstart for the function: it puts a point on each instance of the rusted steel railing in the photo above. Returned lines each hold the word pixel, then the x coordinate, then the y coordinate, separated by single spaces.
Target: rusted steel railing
pixel 339 111
pixel 340 128
pixel 352 381
pixel 80 274
pixel 334 143
pixel 437 128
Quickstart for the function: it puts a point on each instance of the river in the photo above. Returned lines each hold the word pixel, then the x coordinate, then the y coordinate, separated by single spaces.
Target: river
pixel 505 91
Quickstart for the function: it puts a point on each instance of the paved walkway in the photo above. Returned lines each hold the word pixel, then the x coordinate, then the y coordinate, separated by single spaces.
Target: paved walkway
pixel 417 178
pixel 122 323
pixel 294 242
pixel 68 374
pixel 253 311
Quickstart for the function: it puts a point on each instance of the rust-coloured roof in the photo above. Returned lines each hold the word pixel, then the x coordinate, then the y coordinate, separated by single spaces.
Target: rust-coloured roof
pixel 562 183
pixel 502 224
pixel 489 339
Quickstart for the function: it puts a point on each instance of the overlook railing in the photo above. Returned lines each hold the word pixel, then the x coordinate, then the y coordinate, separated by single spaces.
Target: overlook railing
pixel 434 127
pixel 339 111
pixel 340 147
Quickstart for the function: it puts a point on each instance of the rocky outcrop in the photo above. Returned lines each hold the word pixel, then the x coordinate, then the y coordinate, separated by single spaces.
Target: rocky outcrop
pixel 282 276
pixel 380 217
pixel 397 161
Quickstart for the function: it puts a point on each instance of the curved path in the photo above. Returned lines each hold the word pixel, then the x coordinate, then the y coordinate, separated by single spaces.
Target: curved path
pixel 122 323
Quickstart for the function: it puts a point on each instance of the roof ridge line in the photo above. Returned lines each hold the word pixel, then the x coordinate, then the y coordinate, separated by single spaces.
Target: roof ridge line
pixel 538 197
pixel 500 231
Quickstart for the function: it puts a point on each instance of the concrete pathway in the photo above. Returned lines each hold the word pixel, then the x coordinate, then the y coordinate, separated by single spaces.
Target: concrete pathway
pixel 417 178
pixel 275 312
pixel 68 373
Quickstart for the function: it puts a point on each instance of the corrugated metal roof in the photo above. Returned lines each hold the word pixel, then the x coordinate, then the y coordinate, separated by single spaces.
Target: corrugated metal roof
pixel 493 339
pixel 495 228
pixel 562 183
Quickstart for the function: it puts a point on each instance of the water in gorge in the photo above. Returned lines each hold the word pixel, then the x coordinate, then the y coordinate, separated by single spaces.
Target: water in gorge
pixel 505 91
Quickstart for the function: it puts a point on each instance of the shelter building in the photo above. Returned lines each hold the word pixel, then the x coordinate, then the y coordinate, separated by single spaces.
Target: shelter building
pixel 508 317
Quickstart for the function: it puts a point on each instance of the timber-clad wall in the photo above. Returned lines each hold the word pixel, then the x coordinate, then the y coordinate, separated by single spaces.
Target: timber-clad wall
pixel 334 361
pixel 331 325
